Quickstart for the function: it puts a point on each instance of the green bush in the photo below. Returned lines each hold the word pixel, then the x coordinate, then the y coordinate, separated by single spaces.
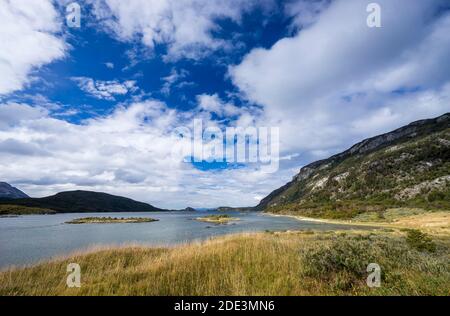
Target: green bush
pixel 344 256
pixel 342 264
pixel 420 241
pixel 436 196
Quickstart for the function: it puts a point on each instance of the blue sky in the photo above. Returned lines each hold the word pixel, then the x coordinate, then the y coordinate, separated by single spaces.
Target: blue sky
pixel 98 55
pixel 94 107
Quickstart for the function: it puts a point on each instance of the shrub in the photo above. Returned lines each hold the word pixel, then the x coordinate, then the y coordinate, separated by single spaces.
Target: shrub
pixel 436 196
pixel 349 257
pixel 420 241
pixel 342 263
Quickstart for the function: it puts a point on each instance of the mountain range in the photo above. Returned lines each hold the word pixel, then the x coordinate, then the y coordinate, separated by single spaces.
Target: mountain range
pixel 83 202
pixel 406 167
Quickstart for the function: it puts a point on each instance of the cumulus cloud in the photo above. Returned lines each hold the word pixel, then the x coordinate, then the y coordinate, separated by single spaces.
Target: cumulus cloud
pixel 338 81
pixel 305 12
pixel 29 39
pixel 13 113
pixel 213 104
pixel 129 152
pixel 185 26
pixel 105 89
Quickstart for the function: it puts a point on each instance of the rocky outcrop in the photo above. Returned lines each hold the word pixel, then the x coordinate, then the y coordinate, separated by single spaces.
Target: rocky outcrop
pixel 391 141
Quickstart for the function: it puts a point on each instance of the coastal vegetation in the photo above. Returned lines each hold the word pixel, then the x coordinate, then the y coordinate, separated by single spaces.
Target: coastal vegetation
pixel 84 202
pixel 271 263
pixel 111 220
pixel 7 209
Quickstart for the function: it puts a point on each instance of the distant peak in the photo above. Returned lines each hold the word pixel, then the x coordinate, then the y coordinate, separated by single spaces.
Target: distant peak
pixel 7 191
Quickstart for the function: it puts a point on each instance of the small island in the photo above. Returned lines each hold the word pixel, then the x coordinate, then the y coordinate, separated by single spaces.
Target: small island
pixel 217 219
pixel 111 220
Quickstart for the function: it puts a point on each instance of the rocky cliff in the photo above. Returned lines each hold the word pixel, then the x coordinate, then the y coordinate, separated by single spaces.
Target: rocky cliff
pixel 408 166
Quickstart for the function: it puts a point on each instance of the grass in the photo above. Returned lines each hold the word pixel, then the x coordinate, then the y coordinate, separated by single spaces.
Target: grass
pixel 391 215
pixel 436 223
pixel 343 210
pixel 420 241
pixel 217 219
pixel 272 263
pixel 6 209
pixel 111 220
pixel 433 222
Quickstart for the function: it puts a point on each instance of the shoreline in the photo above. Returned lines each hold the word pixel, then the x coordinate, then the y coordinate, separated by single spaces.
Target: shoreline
pixel 329 221
pixel 424 222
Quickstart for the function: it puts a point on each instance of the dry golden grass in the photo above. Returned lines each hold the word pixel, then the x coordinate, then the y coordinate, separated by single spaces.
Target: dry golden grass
pixel 248 264
pixel 435 223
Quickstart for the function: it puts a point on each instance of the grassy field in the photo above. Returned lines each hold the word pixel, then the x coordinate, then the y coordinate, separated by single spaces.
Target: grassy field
pixel 271 263
pixel 432 222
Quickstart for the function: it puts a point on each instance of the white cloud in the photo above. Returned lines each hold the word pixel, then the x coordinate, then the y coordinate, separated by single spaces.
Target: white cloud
pixel 305 12
pixel 109 65
pixel 185 26
pixel 128 152
pixel 13 113
pixel 28 40
pixel 213 104
pixel 338 81
pixel 174 77
pixel 105 89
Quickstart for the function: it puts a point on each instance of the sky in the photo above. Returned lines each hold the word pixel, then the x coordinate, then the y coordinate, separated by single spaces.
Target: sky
pixel 98 107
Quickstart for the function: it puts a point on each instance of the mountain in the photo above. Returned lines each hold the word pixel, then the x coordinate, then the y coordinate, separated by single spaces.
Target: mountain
pixel 84 202
pixel 9 192
pixel 233 209
pixel 407 167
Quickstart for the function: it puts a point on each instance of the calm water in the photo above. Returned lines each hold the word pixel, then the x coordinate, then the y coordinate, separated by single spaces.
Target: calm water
pixel 28 239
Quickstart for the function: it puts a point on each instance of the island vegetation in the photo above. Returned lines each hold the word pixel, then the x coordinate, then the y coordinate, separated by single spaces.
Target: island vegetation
pixel 111 220
pixel 217 219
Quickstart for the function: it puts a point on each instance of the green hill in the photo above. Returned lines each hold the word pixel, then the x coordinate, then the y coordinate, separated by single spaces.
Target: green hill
pixel 84 202
pixel 409 167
